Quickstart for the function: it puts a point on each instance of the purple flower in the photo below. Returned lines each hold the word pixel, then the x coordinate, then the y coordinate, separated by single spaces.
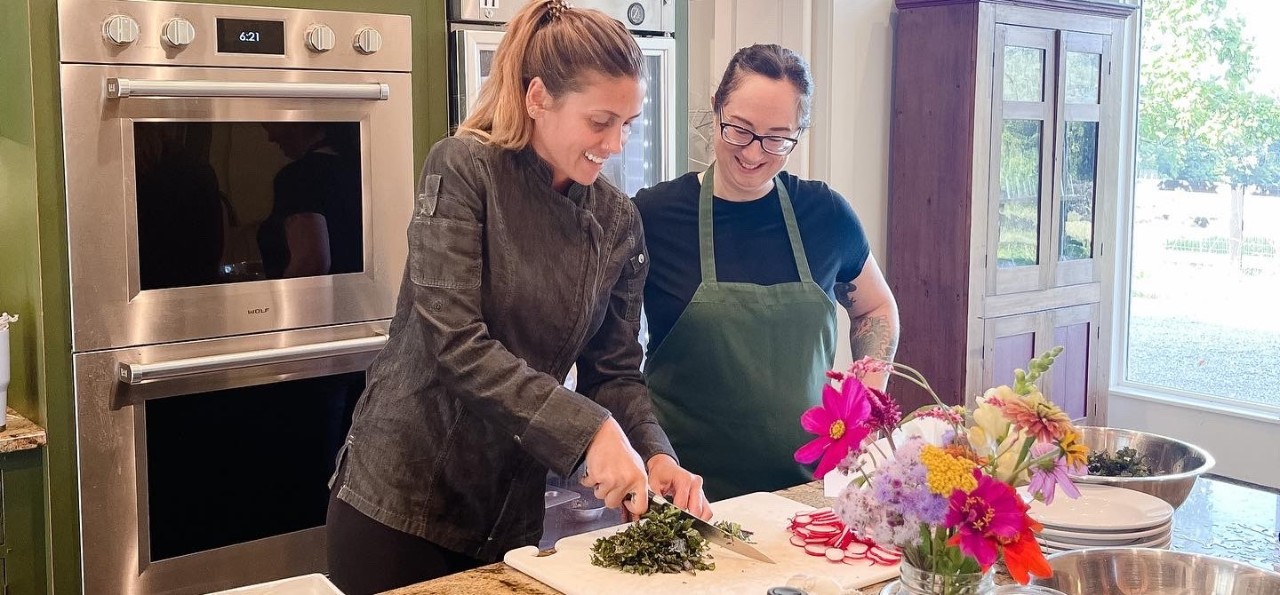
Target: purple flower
pixel 1047 477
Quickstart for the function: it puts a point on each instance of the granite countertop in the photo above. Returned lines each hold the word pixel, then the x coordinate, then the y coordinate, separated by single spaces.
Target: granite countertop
pixel 20 433
pixel 1220 518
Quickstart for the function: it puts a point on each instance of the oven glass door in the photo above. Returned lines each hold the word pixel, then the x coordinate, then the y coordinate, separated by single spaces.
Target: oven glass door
pixel 234 202
pixel 231 466
pixel 205 465
pixel 208 202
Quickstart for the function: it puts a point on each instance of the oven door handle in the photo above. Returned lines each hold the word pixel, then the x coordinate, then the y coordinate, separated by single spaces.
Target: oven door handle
pixel 118 88
pixel 131 373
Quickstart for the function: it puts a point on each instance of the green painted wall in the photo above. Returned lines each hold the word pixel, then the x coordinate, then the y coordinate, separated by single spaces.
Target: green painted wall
pixel 22 478
pixel 22 474
pixel 33 256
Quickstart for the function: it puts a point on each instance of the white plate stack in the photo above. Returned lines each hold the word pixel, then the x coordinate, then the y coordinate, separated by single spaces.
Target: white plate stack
pixel 1103 516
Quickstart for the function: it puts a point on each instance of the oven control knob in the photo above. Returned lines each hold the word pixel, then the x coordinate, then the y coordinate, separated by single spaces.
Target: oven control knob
pixel 320 38
pixel 120 29
pixel 368 40
pixel 178 33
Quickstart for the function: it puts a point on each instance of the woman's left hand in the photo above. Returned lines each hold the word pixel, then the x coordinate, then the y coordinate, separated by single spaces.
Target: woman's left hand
pixel 682 488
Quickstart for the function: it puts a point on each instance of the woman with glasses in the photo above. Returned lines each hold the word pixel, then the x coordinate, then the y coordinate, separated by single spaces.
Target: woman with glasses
pixel 747 264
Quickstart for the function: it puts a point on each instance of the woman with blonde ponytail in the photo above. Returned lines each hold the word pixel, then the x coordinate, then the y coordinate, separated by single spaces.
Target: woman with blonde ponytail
pixel 523 262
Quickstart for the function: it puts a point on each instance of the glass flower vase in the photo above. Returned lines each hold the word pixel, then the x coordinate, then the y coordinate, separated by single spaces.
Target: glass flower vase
pixel 915 581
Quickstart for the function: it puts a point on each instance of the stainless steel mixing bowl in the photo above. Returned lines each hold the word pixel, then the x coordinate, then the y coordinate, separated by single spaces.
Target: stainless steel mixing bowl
pixel 1138 571
pixel 1175 464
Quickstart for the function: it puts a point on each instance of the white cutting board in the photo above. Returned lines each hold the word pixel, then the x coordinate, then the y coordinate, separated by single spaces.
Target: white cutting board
pixel 570 571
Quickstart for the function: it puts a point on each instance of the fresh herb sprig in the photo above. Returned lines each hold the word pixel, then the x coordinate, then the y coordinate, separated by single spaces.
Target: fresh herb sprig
pixel 1126 462
pixel 735 531
pixel 661 542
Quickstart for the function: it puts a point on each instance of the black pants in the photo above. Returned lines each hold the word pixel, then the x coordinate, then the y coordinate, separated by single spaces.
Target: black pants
pixel 367 557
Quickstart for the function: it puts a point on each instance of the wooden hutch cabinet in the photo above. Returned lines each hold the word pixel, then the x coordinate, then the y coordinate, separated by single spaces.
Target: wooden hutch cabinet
pixel 1005 153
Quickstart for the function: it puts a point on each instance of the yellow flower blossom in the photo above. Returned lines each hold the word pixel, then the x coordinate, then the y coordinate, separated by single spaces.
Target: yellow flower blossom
pixel 989 416
pixel 1077 454
pixel 946 473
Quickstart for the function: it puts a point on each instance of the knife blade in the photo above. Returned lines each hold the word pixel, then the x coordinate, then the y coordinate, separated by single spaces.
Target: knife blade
pixel 710 532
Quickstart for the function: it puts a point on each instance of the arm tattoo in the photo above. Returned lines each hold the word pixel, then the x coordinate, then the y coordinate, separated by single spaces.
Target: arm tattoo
pixel 844 294
pixel 873 336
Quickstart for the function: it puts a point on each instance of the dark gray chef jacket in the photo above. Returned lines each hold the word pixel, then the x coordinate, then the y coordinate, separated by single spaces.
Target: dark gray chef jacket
pixel 508 284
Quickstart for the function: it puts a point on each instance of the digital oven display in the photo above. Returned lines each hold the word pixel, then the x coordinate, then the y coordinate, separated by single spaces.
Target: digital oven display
pixel 240 36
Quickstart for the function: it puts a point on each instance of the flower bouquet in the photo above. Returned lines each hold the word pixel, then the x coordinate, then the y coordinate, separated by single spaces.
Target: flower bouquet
pixel 940 484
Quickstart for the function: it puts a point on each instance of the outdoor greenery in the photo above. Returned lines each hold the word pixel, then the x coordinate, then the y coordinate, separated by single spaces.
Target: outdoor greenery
pixel 1201 122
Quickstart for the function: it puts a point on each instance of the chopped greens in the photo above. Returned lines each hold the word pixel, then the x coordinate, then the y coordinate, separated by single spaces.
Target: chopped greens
pixel 735 530
pixel 661 542
pixel 1125 463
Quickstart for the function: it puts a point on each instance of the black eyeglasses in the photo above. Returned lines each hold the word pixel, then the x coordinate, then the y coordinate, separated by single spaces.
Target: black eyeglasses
pixel 741 137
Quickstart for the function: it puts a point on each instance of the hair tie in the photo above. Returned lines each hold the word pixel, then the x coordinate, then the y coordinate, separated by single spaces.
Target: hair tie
pixel 556 8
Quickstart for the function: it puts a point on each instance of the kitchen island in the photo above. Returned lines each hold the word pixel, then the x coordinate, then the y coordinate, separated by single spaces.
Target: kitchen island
pixel 1220 518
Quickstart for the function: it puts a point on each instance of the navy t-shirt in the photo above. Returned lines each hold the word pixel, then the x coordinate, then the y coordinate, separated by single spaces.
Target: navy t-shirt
pixel 751 243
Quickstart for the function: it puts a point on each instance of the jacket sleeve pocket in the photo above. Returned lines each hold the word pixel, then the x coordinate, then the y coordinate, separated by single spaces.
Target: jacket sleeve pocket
pixel 634 273
pixel 445 253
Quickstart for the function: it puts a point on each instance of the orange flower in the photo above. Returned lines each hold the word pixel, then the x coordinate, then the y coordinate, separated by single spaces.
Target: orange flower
pixel 1022 555
pixel 1037 416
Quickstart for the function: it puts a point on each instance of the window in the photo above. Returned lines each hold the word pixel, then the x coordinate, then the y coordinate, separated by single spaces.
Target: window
pixel 1204 313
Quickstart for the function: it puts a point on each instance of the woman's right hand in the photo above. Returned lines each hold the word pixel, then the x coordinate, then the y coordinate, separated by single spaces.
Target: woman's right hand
pixel 614 469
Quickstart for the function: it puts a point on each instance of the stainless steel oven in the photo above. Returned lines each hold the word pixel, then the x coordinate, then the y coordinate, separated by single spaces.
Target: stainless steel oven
pixel 185 146
pixel 239 181
pixel 649 156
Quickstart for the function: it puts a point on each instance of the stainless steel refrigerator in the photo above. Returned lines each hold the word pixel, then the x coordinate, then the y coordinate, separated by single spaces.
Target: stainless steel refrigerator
pixel 649 156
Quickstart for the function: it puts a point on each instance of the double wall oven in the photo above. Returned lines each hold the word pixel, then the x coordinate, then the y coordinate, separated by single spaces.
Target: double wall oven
pixel 239 181
pixel 649 155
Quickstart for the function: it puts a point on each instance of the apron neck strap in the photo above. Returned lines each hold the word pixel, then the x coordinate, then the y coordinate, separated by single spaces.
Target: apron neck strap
pixel 706 233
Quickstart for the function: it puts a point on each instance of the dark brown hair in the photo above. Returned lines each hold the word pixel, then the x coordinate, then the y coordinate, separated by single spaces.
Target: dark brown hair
pixel 560 45
pixel 772 61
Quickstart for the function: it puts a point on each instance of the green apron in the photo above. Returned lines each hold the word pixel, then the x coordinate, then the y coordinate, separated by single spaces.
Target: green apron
pixel 739 367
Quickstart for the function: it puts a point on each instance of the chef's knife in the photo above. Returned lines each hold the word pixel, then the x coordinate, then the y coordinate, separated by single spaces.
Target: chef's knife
pixel 710 532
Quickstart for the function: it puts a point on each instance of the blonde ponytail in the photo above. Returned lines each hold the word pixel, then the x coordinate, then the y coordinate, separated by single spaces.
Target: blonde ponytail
pixel 549 40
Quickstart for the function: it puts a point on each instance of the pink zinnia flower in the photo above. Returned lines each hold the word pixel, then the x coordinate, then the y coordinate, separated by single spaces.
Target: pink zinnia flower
pixel 1037 416
pixel 985 519
pixel 1054 474
pixel 840 423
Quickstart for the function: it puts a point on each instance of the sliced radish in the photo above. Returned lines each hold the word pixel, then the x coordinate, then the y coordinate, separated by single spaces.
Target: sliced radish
pixel 815 549
pixel 798 541
pixel 880 559
pixel 850 560
pixel 802 519
pixel 857 548
pixel 835 554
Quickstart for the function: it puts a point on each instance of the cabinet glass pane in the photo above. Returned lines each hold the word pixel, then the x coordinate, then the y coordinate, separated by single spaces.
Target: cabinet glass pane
pixel 1084 70
pixel 1071 370
pixel 1023 73
pixel 1018 239
pixel 1080 172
